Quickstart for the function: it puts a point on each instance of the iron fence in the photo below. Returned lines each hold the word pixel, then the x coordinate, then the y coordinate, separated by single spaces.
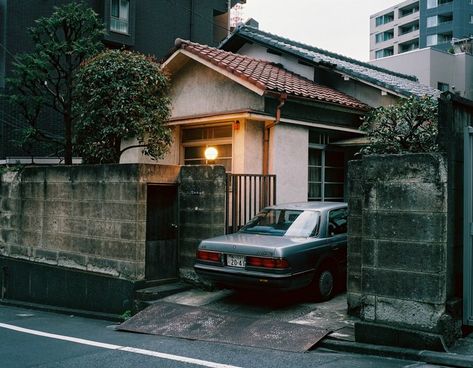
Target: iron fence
pixel 247 194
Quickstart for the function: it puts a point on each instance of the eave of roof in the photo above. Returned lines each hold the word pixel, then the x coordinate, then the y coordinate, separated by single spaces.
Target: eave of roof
pixel 397 83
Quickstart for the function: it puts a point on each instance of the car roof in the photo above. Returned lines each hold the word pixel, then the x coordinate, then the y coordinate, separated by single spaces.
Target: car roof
pixel 309 206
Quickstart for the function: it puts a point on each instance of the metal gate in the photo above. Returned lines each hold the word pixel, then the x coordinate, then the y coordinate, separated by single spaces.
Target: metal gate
pixel 468 228
pixel 246 195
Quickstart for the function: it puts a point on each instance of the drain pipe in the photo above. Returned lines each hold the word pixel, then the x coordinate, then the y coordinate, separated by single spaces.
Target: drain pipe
pixel 267 128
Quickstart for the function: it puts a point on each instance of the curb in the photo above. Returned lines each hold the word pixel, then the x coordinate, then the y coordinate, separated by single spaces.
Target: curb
pixel 426 356
pixel 69 311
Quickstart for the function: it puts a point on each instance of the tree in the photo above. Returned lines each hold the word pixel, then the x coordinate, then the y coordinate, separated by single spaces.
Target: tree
pixel 121 95
pixel 44 78
pixel 409 126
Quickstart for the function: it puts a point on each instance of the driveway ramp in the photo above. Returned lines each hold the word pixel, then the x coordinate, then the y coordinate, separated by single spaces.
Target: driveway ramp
pixel 197 323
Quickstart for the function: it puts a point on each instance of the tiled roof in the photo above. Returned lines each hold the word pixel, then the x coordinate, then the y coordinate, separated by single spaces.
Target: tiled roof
pixel 268 76
pixel 399 83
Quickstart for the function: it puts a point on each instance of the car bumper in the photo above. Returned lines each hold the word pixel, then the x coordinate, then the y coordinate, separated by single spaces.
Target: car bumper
pixel 243 279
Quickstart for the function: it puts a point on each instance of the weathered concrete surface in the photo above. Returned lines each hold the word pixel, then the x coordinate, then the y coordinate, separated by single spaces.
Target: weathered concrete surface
pixel 398 250
pixel 201 210
pixel 89 218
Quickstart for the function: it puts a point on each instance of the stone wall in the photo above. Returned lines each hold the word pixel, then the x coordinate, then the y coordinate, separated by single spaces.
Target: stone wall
pixel 201 211
pixel 398 253
pixel 88 218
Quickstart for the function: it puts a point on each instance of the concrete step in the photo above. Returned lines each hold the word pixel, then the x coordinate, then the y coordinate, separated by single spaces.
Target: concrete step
pixel 161 291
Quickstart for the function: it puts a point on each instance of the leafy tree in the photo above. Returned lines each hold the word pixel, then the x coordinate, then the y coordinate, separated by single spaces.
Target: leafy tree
pixel 43 79
pixel 121 95
pixel 409 126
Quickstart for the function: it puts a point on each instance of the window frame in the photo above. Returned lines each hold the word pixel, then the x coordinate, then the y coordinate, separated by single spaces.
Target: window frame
pixel 323 167
pixel 328 222
pixel 207 142
pixel 120 18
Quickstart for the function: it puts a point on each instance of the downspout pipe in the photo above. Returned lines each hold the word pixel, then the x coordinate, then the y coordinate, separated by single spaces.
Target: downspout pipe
pixel 267 128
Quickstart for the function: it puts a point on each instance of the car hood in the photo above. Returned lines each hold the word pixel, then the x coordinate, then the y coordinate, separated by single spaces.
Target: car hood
pixel 252 244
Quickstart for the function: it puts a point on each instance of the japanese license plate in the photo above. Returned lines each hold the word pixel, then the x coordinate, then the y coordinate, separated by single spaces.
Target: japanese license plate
pixel 235 261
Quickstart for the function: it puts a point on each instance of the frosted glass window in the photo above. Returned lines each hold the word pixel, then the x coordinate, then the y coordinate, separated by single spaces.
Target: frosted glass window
pixel 119 15
pixel 432 21
pixel 432 4
pixel 432 40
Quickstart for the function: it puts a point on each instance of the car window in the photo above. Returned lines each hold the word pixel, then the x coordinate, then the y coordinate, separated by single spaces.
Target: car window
pixel 337 222
pixel 281 222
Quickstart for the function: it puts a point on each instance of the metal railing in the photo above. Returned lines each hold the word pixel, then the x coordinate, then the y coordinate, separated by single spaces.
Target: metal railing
pixel 246 195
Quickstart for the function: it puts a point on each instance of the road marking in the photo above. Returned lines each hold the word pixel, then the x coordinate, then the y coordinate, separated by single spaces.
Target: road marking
pixel 128 349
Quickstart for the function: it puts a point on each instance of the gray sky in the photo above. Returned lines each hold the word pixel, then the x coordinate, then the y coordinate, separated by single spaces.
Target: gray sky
pixel 340 26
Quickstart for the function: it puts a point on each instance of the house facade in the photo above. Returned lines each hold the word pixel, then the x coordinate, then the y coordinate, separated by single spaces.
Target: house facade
pixel 273 106
pixel 146 26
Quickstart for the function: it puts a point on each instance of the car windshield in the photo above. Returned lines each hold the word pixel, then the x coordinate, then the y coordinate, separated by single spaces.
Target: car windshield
pixel 281 222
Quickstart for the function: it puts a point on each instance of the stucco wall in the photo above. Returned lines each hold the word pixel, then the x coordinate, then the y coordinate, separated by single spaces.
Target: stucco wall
pixel 288 160
pixel 136 156
pixel 89 218
pixel 248 148
pixel 197 89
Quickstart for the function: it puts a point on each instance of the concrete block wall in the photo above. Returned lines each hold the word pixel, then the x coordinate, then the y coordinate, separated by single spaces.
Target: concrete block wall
pixel 398 252
pixel 90 218
pixel 201 211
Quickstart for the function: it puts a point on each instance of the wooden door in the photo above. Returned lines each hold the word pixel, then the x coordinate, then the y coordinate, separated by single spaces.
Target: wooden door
pixel 161 233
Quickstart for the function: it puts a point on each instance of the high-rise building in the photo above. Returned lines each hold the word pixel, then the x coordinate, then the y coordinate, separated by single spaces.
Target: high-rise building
pixel 415 24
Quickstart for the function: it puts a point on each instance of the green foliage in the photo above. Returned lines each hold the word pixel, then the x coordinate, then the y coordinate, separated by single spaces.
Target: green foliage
pixel 43 78
pixel 409 126
pixel 121 95
pixel 126 315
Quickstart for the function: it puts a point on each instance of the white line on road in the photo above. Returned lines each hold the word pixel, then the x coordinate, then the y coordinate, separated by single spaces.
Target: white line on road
pixel 128 349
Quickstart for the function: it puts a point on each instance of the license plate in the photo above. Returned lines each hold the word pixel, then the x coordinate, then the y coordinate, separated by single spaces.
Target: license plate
pixel 235 261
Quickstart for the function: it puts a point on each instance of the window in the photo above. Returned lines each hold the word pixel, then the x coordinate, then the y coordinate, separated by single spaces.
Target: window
pixel 445 18
pixel 384 36
pixel 196 140
pixel 326 175
pixel 408 10
pixel 384 19
pixel 119 16
pixel 284 222
pixel 445 37
pixel 337 222
pixel 432 40
pixel 408 28
pixel 409 46
pixel 384 52
pixel 432 21
pixel 443 86
pixel 432 4
pixel 471 18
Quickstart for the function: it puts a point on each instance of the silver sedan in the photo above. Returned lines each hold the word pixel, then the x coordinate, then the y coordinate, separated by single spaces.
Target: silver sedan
pixel 285 247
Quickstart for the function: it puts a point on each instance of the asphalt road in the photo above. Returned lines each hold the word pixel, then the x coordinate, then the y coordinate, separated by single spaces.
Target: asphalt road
pixel 30 338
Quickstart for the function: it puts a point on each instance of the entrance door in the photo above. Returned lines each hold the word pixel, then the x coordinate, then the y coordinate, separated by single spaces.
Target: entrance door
pixel 161 233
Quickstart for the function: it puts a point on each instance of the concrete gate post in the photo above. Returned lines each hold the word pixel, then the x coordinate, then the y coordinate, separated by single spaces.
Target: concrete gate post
pixel 400 266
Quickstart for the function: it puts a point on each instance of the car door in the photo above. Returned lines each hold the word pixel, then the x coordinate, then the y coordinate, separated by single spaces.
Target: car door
pixel 337 234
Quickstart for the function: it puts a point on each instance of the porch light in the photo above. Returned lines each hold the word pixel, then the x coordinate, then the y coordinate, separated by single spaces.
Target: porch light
pixel 211 153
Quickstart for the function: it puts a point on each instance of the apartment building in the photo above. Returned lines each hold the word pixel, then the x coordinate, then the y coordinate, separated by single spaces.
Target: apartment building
pixel 146 26
pixel 415 24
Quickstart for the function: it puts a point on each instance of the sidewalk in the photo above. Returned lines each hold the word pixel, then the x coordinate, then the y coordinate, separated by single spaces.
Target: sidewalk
pixel 329 315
